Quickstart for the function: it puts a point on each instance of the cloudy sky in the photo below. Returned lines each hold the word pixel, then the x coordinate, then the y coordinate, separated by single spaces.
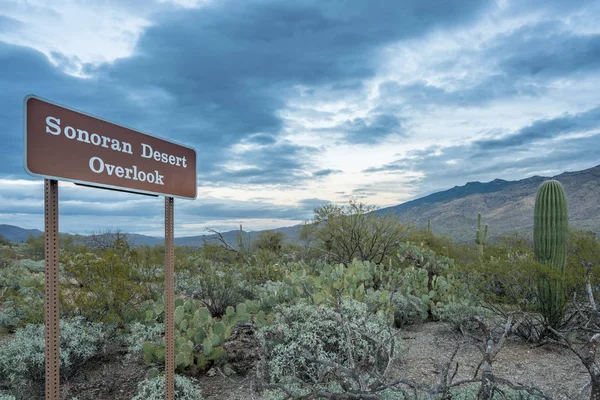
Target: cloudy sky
pixel 294 104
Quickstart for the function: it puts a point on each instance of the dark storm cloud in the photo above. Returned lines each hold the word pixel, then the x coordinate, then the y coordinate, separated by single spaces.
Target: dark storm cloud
pixel 546 51
pixel 281 163
pixel 372 129
pixel 212 76
pixel 521 62
pixel 250 209
pixel 232 64
pixel 541 146
pixel 468 94
pixel 545 129
pixel 325 172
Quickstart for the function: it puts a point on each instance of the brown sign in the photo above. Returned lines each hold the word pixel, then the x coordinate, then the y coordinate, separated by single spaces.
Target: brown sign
pixel 64 144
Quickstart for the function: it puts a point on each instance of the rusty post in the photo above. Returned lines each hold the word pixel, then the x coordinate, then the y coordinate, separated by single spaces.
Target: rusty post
pixel 51 298
pixel 169 301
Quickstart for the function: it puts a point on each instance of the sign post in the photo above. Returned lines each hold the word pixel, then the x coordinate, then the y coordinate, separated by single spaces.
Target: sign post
pixel 169 300
pixel 51 290
pixel 65 144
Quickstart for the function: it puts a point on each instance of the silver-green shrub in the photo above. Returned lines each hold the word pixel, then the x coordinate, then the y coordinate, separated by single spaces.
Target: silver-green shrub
pixel 22 358
pixel 31 265
pixel 140 333
pixel 22 298
pixel 311 346
pixel 154 389
pixel 461 314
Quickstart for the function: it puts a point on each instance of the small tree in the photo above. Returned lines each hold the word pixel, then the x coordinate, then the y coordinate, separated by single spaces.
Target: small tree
pixel 584 249
pixel 4 241
pixel 36 247
pixel 269 241
pixel 356 231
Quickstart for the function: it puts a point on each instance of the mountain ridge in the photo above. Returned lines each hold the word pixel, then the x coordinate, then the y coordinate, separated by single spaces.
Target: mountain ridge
pixel 506 206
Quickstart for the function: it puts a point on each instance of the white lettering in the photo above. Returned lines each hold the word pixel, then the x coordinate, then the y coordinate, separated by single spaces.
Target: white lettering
pixel 83 138
pixel 98 166
pixel 70 132
pixel 127 148
pixel 159 179
pixel 148 148
pixel 52 122
pixel 96 140
pixel 96 170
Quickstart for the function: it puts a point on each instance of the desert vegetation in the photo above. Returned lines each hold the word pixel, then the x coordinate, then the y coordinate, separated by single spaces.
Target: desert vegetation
pixel 330 317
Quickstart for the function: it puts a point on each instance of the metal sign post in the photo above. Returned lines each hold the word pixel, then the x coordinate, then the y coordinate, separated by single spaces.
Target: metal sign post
pixel 66 144
pixel 51 291
pixel 169 300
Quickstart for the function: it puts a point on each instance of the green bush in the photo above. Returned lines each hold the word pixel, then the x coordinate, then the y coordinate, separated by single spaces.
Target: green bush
pixel 22 358
pixel 31 265
pixel 306 342
pixel 106 287
pixel 461 314
pixel 140 333
pixel 408 310
pixel 217 287
pixel 22 298
pixel 154 389
pixel 8 256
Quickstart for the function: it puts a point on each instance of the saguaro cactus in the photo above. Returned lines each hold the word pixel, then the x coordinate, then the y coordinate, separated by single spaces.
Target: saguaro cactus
pixel 481 237
pixel 551 237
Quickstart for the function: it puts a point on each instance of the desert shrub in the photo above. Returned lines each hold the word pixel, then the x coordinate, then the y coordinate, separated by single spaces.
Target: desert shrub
pixel 31 265
pixel 436 291
pixel 407 309
pixel 313 347
pixel 4 241
pixel 35 248
pixel 355 231
pixel 140 333
pixel 154 389
pixel 8 256
pixel 22 298
pixel 471 393
pixel 106 287
pixel 22 358
pixel 217 287
pixel 460 315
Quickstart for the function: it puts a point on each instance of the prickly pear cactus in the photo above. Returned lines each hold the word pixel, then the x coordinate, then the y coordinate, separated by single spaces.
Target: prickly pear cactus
pixel 198 336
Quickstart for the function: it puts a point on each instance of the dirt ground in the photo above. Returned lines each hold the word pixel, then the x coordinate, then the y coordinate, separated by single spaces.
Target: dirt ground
pixel 554 369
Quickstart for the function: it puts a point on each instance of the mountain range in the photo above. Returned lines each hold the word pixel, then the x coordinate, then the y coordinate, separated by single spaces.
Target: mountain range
pixel 506 206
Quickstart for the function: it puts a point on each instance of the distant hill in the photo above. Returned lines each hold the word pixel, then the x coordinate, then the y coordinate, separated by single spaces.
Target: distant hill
pixel 506 206
pixel 16 234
